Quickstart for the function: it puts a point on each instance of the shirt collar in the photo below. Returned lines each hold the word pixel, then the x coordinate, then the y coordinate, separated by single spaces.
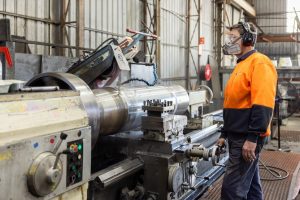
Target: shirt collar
pixel 246 55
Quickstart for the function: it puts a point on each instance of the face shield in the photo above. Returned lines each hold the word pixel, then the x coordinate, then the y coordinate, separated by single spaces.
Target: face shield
pixel 232 45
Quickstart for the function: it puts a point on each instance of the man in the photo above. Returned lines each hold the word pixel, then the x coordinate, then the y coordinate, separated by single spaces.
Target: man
pixel 249 100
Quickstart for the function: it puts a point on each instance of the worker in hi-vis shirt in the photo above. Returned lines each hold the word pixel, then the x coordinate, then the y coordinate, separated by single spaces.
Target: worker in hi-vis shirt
pixel 249 100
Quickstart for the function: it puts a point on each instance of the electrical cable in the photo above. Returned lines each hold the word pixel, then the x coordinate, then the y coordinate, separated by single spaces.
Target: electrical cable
pixel 211 94
pixel 143 80
pixel 276 172
pixel 137 79
pixel 114 40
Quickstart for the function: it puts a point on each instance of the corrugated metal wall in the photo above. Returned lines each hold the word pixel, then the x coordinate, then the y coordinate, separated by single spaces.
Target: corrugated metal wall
pixel 271 23
pixel 271 17
pixel 207 30
pixel 23 14
pixel 36 20
pixel 103 19
pixel 173 39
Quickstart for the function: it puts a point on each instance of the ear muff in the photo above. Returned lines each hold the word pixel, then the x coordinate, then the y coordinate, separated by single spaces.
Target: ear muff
pixel 248 37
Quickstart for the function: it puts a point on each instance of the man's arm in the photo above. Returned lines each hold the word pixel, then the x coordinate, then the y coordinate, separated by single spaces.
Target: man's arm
pixel 263 91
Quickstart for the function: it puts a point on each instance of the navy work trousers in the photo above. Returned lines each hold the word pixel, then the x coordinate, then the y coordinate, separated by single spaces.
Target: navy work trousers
pixel 241 180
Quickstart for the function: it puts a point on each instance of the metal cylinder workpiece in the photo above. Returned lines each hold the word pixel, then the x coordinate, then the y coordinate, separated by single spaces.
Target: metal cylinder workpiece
pixel 121 110
pixel 113 110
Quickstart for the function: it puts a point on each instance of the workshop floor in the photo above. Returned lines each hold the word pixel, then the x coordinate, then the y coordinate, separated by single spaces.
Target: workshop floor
pixel 288 158
pixel 290 136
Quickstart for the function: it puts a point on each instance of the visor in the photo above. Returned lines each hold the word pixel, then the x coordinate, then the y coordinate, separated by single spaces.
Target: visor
pixel 231 39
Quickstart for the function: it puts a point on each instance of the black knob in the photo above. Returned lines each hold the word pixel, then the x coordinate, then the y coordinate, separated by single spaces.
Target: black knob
pixel 63 136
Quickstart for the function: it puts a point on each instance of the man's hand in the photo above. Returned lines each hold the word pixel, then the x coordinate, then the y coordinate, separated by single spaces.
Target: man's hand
pixel 221 142
pixel 249 151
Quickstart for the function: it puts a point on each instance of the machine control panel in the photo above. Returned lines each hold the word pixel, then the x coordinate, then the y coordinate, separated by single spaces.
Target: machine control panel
pixel 53 163
pixel 74 162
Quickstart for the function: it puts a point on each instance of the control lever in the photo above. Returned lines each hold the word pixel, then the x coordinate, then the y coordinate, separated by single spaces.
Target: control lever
pixel 62 137
pixel 67 151
pixel 53 173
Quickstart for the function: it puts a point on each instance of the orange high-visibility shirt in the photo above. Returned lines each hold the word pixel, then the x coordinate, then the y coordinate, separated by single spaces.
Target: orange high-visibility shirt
pixel 249 96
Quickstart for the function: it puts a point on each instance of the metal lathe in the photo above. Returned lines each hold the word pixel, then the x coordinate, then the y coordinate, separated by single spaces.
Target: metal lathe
pixel 58 137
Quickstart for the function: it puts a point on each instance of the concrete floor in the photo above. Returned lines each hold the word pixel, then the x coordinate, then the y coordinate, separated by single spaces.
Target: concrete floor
pixel 285 146
pixel 293 123
pixel 290 134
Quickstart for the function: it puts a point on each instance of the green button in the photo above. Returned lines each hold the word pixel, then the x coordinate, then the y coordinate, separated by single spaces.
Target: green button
pixel 74 168
pixel 79 147
pixel 79 175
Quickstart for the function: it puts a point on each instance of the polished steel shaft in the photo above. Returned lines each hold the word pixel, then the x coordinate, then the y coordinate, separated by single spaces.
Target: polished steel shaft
pixel 122 110
pixel 112 110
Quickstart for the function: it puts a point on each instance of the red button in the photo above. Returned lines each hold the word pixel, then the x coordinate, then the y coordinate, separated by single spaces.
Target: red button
pixel 52 141
pixel 75 148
